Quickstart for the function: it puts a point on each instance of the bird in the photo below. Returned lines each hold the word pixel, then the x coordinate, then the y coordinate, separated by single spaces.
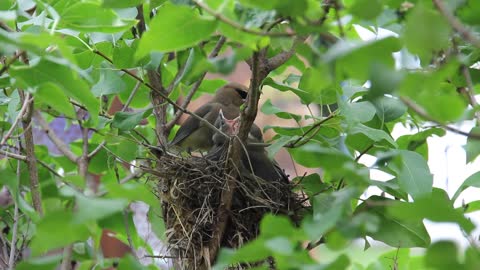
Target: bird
pixel 194 134
pixel 254 158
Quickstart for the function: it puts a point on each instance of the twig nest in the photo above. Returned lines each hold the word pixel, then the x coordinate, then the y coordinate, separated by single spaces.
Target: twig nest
pixel 190 189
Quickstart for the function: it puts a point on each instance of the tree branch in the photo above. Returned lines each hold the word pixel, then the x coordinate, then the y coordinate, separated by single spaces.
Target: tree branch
pixel 238 26
pixel 469 92
pixel 456 24
pixel 25 106
pixel 53 137
pixel 13 155
pixel 422 113
pixel 13 243
pixel 312 128
pixel 30 156
pixel 10 62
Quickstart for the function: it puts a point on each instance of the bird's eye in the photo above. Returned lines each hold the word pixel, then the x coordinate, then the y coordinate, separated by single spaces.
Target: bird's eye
pixel 241 92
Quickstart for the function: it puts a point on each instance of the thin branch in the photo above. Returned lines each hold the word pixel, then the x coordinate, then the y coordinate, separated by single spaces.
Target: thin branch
pixel 312 128
pixel 422 113
pixel 336 6
pixel 238 26
pixel 22 111
pixel 5 27
pixel 66 258
pixel 10 62
pixel 195 86
pixel 131 96
pixel 30 156
pixel 53 137
pixel 313 245
pixel 13 243
pixel 456 24
pixel 127 231
pixel 164 96
pixel 13 155
pixel 131 176
pixel 469 92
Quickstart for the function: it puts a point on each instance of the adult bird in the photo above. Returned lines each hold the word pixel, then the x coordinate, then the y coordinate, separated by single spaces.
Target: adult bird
pixel 254 158
pixel 194 134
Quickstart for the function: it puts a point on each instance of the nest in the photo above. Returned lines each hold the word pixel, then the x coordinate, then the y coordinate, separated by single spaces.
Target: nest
pixel 191 189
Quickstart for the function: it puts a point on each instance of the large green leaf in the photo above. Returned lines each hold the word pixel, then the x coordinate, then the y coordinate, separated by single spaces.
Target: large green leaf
pixel 60 75
pixel 269 108
pixel 129 120
pixel 436 207
pixel 367 9
pixel 289 8
pixel 413 174
pixel 443 255
pixel 472 148
pixel 313 155
pixel 52 95
pixel 472 181
pixel 58 229
pixel 90 16
pixel 394 231
pixel 175 28
pixel 426 31
pixel 357 57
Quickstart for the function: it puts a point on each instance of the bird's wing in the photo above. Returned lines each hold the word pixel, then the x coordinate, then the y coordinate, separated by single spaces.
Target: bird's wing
pixel 191 124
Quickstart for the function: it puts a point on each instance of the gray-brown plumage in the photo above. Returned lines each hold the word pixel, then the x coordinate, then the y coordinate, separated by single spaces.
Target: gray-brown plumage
pixel 196 135
pixel 255 159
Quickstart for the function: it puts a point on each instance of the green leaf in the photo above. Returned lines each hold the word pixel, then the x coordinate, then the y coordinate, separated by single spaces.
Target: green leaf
pixel 288 8
pixel 280 245
pixel 40 263
pixel 57 229
pixel 97 208
pixel 317 82
pixel 132 191
pixel 54 96
pixel 110 82
pixel 360 137
pixel 418 142
pixel 426 31
pixel 129 120
pixel 92 17
pixel 189 28
pixel 442 255
pixel 389 109
pixel 124 55
pixel 121 3
pixel 269 109
pixel 272 226
pixel 327 211
pixel 383 79
pixel 394 231
pixel 357 57
pixel 60 75
pixel 367 9
pixel 413 174
pixel 313 155
pixel 471 207
pixel 357 112
pixel 305 96
pixel 436 207
pixel 472 181
pixel 472 148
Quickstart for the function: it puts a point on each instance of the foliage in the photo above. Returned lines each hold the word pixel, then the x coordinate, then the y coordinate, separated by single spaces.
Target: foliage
pixel 65 62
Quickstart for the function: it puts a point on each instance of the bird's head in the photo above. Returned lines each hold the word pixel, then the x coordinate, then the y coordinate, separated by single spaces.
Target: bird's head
pixel 234 93
pixel 227 126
